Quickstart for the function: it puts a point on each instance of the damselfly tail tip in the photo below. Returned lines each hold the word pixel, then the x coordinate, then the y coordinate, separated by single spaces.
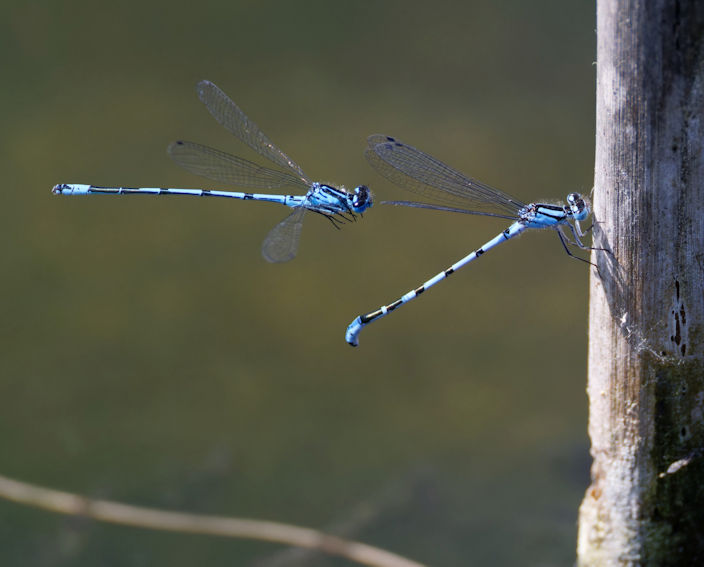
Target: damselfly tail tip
pixel 352 334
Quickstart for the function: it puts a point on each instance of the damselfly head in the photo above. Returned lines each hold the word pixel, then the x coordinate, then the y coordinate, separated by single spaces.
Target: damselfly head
pixel 360 199
pixel 578 206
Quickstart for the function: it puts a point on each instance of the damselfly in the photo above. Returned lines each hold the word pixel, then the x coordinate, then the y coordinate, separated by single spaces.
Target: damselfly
pixel 418 172
pixel 281 244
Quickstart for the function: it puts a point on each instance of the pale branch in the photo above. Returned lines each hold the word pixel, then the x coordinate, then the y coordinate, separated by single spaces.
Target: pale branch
pixel 155 519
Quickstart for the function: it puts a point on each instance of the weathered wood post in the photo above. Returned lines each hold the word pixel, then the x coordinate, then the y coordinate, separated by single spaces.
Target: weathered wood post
pixel 645 505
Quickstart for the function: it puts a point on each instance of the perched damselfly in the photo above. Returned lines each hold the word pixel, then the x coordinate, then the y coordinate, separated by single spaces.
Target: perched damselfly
pixel 416 171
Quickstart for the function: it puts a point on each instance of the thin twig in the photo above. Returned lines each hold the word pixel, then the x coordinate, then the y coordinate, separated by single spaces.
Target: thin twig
pixel 125 514
pixel 400 492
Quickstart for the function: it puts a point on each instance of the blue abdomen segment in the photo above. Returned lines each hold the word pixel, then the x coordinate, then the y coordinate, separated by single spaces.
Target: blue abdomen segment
pixel 83 189
pixel 355 327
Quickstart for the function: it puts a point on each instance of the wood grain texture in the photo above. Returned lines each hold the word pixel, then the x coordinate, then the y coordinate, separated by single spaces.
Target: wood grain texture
pixel 645 505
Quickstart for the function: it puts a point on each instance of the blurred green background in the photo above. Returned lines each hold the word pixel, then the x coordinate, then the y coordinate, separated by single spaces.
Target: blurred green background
pixel 150 355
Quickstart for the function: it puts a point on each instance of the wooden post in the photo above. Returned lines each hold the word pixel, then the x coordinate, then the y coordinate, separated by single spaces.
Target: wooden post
pixel 645 505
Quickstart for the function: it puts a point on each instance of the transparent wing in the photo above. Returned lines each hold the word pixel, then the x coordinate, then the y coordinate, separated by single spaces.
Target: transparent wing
pixel 281 243
pixel 417 205
pixel 227 113
pixel 416 171
pixel 221 166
